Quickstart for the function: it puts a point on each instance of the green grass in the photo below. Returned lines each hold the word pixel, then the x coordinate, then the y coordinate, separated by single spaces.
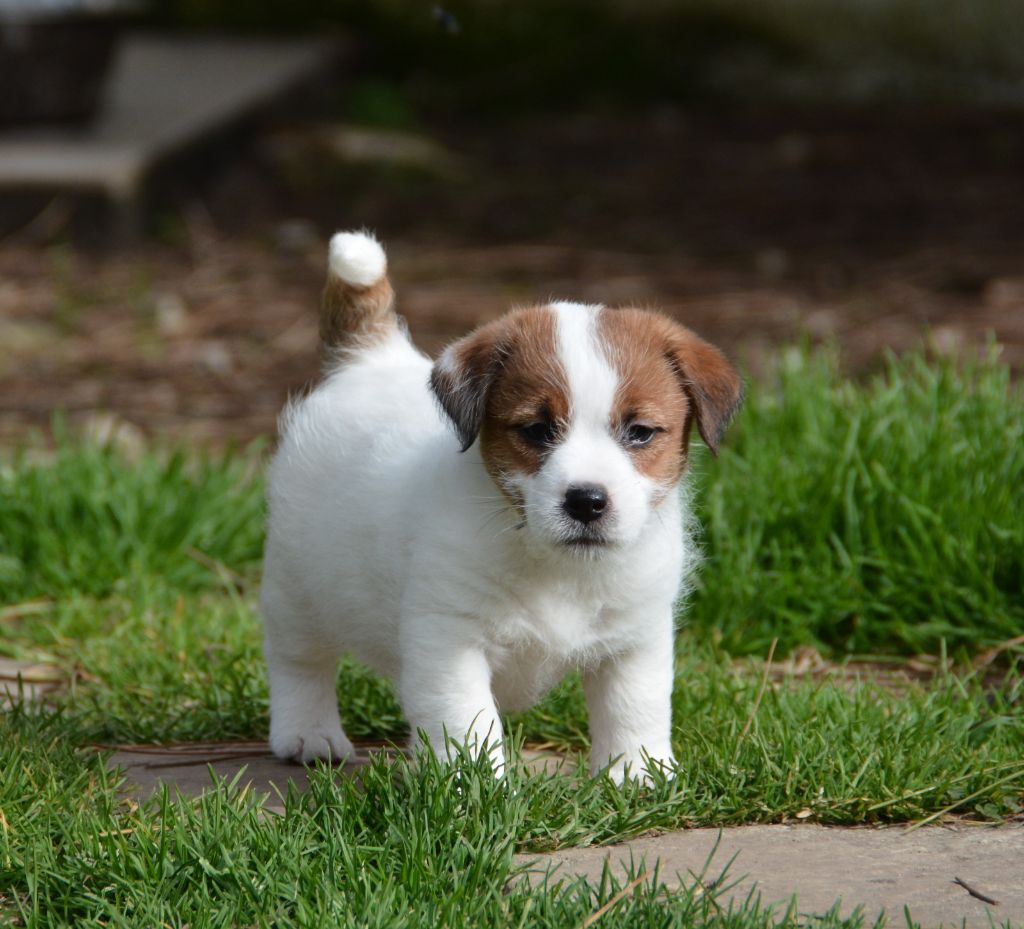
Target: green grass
pixel 886 517
pixel 88 521
pixel 882 517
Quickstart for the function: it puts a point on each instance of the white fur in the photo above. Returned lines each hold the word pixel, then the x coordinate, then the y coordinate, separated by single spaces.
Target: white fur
pixel 357 258
pixel 386 543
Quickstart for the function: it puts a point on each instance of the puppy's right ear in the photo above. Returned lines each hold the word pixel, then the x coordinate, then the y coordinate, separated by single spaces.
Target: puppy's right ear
pixel 462 376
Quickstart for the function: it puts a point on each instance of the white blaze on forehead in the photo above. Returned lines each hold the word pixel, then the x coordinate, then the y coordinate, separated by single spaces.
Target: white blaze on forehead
pixel 591 379
pixel 588 452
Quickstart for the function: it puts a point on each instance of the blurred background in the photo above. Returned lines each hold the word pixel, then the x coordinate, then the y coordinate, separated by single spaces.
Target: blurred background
pixel 844 171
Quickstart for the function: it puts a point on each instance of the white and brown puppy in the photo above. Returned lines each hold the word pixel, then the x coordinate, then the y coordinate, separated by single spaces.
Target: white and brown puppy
pixel 476 567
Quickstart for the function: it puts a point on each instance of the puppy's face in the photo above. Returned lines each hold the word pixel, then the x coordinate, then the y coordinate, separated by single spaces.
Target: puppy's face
pixel 583 414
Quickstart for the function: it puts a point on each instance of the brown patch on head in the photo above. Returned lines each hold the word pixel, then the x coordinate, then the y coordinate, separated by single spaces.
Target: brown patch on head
pixel 669 378
pixel 649 393
pixel 499 379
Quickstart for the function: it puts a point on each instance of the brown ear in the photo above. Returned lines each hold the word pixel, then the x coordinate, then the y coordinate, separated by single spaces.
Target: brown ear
pixel 712 385
pixel 462 376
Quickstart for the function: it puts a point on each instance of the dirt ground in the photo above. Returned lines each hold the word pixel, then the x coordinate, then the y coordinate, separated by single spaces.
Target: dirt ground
pixel 755 228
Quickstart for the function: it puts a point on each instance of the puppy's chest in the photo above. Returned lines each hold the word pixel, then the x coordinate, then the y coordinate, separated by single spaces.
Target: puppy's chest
pixel 535 643
pixel 558 624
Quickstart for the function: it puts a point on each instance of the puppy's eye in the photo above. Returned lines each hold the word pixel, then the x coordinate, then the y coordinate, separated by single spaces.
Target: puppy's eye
pixel 637 435
pixel 540 433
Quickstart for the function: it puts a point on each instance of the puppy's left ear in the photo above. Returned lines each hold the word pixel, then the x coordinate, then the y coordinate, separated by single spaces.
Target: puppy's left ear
pixel 713 387
pixel 462 376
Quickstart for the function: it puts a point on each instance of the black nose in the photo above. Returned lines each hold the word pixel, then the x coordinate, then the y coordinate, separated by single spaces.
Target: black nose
pixel 586 502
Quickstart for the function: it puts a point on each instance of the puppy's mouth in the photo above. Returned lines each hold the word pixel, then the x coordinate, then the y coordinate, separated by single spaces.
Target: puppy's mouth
pixel 581 541
pixel 586 541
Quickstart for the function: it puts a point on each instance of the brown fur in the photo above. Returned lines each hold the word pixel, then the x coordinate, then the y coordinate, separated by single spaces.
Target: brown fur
pixel 529 387
pixel 503 376
pixel 353 317
pixel 649 393
pixel 669 378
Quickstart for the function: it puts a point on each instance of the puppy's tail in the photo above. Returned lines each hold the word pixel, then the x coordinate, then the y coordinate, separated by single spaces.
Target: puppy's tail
pixel 357 310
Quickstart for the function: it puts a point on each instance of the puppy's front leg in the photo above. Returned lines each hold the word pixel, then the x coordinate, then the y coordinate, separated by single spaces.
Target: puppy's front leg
pixel 446 688
pixel 304 721
pixel 629 697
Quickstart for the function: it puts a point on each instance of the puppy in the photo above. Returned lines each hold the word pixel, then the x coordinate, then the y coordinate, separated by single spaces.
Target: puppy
pixel 475 527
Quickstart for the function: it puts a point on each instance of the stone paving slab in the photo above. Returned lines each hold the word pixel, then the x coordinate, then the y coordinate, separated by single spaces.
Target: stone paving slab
pixel 28 681
pixel 187 767
pixel 878 868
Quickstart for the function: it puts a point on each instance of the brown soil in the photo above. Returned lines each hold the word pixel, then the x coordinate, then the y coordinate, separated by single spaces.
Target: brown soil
pixel 753 228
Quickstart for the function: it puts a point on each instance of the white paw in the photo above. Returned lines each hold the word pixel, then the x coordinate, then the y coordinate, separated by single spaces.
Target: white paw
pixel 326 742
pixel 639 768
pixel 471 747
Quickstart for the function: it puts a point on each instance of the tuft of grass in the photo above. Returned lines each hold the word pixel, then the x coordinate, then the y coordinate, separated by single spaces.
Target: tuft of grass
pixel 87 520
pixel 878 517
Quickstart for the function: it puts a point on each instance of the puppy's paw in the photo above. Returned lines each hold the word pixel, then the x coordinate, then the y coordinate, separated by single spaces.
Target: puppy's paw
pixel 305 746
pixel 640 769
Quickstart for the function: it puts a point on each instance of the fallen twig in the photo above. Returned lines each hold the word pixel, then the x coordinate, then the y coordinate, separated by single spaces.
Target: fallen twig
pixel 977 894
pixel 28 608
pixel 177 749
pixel 760 693
pixel 963 800
pixel 628 889
pixel 226 575
pixel 990 655
pixel 195 762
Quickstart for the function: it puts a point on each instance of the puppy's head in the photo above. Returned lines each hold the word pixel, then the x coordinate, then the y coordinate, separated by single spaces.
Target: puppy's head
pixel 583 414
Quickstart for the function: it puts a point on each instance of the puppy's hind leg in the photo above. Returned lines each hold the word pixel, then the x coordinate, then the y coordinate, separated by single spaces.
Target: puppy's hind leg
pixel 304 720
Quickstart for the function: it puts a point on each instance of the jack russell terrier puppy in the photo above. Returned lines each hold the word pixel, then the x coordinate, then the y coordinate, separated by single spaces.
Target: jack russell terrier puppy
pixel 475 527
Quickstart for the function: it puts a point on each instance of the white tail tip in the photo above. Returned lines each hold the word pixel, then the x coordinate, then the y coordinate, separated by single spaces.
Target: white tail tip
pixel 357 258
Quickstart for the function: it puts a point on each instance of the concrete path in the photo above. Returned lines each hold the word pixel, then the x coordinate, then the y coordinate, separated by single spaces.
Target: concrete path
pixel 876 868
pixel 186 767
pixel 880 869
pixel 30 681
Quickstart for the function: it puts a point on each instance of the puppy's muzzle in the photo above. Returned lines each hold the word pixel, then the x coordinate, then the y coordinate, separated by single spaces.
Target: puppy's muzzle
pixel 586 503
